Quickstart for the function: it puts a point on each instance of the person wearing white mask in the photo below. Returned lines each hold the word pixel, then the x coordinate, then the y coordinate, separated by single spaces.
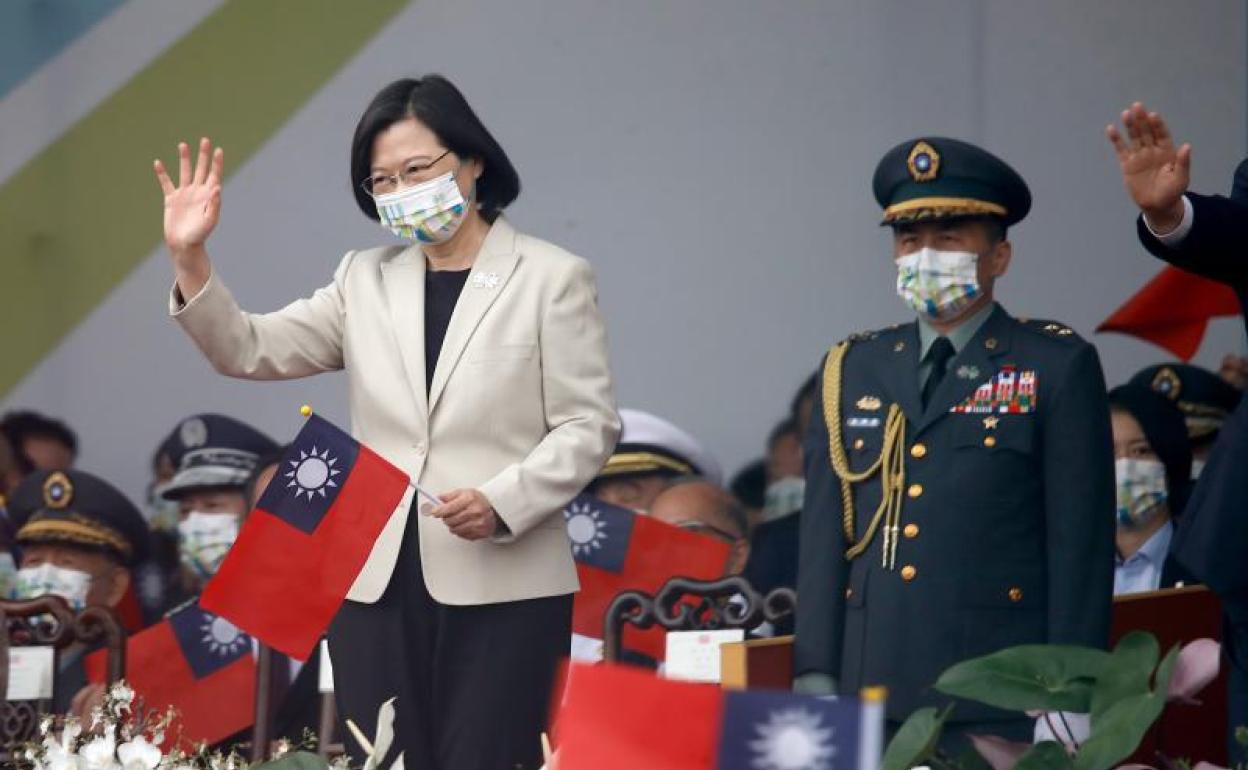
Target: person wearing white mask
pixel 210 491
pixel 476 361
pixel 1152 464
pixel 80 540
pixel 959 468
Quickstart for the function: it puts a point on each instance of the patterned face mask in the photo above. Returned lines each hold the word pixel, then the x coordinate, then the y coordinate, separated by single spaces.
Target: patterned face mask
pixel 783 497
pixel 1141 491
pixel 70 584
pixel 429 212
pixel 938 284
pixel 204 539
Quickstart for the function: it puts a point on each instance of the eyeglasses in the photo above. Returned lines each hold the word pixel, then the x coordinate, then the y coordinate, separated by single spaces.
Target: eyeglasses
pixel 413 173
pixel 707 529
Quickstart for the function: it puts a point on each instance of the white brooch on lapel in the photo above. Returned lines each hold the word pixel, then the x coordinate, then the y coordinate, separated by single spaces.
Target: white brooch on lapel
pixel 486 281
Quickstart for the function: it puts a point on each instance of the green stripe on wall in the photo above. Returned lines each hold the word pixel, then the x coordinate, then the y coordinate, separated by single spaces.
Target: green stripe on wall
pixel 83 213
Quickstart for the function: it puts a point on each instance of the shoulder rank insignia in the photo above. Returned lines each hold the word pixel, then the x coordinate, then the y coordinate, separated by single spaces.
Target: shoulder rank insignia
pixel 869 403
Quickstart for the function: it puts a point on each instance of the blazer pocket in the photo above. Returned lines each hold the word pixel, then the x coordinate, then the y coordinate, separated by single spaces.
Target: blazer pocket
pixel 495 353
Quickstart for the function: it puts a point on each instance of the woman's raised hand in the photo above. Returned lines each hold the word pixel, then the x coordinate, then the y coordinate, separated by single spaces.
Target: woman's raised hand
pixel 194 204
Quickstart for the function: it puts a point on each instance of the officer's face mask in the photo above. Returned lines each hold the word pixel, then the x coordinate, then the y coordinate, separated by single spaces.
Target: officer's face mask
pixel 204 539
pixel 430 212
pixel 783 497
pixel 938 284
pixel 1141 491
pixel 70 584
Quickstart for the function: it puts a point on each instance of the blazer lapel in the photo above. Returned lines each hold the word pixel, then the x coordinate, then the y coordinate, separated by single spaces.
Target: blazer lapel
pixel 973 366
pixel 404 278
pixel 489 275
pixel 898 373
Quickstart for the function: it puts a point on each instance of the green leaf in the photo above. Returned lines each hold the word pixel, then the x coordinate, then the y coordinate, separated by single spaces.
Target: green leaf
pixel 1030 677
pixel 295 760
pixel 1128 672
pixel 1123 724
pixel 1048 755
pixel 916 740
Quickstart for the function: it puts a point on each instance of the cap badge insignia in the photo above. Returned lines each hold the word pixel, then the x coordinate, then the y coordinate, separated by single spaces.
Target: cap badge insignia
pixel 869 403
pixel 58 492
pixel 486 281
pixel 923 162
pixel 1167 383
pixel 194 433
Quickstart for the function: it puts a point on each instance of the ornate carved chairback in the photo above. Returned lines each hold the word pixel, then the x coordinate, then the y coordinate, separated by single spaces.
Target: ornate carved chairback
pixel 48 621
pixel 684 604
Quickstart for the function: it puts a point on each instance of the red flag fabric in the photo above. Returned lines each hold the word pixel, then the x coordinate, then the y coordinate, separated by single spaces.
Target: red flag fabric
pixel 622 718
pixel 199 664
pixel 618 550
pixel 301 549
pixel 1172 311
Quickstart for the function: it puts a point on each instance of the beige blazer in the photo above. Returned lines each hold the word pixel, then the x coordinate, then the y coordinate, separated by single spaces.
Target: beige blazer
pixel 521 406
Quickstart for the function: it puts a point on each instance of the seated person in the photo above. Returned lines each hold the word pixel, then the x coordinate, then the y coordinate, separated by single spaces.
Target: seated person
pixel 650 453
pixel 702 507
pixel 80 538
pixel 1204 398
pixel 1152 468
pixel 209 487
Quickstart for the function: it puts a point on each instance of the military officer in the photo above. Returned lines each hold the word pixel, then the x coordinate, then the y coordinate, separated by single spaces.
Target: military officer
pixel 651 453
pixel 960 479
pixel 1205 399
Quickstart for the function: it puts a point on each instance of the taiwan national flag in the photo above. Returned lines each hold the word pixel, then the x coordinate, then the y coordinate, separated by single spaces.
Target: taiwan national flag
pixel 196 662
pixel 622 718
pixel 307 540
pixel 1172 311
pixel 618 550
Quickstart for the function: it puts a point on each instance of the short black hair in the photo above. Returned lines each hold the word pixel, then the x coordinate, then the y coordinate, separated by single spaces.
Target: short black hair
pixel 21 425
pixel 806 390
pixel 994 226
pixel 438 104
pixel 786 427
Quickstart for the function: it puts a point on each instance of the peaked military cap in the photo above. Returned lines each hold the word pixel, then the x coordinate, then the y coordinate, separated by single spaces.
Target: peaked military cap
pixel 77 508
pixel 1205 399
pixel 218 451
pixel 938 178
pixel 650 444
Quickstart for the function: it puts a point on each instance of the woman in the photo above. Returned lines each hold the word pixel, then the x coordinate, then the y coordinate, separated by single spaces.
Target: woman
pixel 1153 463
pixel 476 361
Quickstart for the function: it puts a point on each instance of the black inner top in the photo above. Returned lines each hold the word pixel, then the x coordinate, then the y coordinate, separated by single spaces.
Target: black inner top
pixel 442 290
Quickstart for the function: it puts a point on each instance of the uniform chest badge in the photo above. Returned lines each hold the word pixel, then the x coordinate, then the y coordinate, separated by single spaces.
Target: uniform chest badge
pixel 869 403
pixel 1009 391
pixel 967 372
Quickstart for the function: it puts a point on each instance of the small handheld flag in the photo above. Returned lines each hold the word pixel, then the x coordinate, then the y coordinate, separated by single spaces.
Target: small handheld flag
pixel 619 717
pixel 196 662
pixel 618 550
pixel 304 545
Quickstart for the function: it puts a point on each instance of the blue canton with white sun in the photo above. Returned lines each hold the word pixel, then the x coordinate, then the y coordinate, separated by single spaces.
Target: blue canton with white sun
pixel 311 475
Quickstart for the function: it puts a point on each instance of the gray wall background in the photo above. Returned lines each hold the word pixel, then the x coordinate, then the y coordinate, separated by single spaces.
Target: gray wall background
pixel 713 160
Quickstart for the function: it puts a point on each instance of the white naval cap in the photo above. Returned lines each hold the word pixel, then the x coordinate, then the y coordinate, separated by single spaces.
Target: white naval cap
pixel 650 444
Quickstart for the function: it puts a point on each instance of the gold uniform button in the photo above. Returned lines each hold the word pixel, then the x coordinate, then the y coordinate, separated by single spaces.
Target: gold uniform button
pixel 1016 594
pixel 911 531
pixel 990 441
pixel 915 490
pixel 859 443
pixel 909 573
pixel 918 451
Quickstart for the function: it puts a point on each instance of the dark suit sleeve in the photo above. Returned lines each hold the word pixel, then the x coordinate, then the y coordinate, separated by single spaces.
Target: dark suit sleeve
pixel 1215 246
pixel 1079 504
pixel 821 568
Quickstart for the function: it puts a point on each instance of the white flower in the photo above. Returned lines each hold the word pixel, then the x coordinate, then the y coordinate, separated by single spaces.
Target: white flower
pixel 100 752
pixel 138 754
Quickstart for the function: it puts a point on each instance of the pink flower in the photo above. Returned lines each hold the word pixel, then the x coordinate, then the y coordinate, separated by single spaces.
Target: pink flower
pixel 1196 667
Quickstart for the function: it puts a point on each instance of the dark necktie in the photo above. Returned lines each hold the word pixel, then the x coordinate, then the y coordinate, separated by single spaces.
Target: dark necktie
pixel 939 355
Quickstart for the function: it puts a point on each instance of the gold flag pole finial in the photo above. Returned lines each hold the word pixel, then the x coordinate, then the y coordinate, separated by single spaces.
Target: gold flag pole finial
pixel 305 410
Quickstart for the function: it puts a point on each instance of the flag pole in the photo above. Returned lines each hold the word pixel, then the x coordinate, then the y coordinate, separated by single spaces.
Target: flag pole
pixel 359 737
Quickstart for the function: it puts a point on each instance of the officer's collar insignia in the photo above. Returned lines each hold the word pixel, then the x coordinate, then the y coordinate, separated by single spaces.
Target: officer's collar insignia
pixel 967 372
pixel 1167 383
pixel 990 423
pixel 194 433
pixel 991 343
pixel 923 162
pixel 900 346
pixel 58 492
pixel 869 403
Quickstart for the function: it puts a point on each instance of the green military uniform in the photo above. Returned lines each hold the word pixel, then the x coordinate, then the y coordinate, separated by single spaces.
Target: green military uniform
pixel 981 520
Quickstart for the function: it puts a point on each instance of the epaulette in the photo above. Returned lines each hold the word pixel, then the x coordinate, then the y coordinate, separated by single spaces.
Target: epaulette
pixel 1050 329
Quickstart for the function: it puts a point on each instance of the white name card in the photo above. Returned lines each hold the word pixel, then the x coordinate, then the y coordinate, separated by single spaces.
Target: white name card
pixel 31 670
pixel 694 655
pixel 326 680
